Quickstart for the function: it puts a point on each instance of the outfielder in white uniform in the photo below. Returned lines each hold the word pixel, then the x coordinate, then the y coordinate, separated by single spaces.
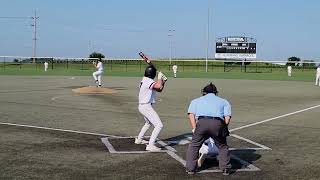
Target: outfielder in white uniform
pixel 318 76
pixel 97 75
pixel 175 69
pixel 147 98
pixel 45 66
pixel 289 68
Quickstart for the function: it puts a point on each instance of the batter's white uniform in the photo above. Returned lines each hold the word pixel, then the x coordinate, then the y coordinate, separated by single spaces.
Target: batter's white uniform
pixel 97 75
pixel 174 69
pixel 147 97
pixel 46 66
pixel 318 76
pixel 289 70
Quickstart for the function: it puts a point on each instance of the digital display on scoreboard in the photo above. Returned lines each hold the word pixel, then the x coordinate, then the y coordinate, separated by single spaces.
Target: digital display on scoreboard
pixel 249 48
pixel 235 48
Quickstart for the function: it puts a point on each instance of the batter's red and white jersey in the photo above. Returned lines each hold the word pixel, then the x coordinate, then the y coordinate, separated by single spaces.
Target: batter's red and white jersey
pixel 146 93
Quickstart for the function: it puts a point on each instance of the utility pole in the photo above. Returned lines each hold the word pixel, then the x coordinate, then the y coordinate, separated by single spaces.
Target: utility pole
pixel 34 25
pixel 208 31
pixel 170 42
pixel 34 28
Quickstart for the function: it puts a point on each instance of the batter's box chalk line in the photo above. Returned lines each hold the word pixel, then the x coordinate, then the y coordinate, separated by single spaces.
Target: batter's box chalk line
pixel 186 139
pixel 110 147
pixel 172 152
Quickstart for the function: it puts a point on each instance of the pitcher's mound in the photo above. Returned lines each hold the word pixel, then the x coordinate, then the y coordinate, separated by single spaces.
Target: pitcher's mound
pixel 94 90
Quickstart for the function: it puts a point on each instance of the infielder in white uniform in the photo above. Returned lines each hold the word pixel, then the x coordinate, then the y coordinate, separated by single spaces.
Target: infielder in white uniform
pixel 147 98
pixel 289 68
pixel 174 69
pixel 45 66
pixel 318 76
pixel 97 75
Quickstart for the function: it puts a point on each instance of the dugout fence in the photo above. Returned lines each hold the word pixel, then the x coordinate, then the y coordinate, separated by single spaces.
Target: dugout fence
pixel 12 63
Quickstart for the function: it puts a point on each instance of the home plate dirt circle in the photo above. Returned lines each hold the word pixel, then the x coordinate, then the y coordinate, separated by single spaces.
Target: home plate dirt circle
pixel 94 90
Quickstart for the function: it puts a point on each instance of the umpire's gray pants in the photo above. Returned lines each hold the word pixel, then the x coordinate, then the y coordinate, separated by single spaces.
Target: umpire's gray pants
pixel 206 128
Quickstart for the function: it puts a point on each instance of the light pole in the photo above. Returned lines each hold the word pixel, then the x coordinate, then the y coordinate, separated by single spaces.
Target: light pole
pixel 170 42
pixel 208 31
pixel 34 25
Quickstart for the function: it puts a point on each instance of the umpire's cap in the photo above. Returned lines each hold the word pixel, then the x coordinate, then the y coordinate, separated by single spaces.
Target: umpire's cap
pixel 210 88
pixel 150 72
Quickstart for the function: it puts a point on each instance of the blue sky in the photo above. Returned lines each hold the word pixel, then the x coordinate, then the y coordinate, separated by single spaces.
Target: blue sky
pixel 121 28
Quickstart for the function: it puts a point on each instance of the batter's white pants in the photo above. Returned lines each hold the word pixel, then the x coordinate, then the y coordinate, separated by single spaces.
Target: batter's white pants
pixel 45 69
pixel 318 79
pixel 151 117
pixel 97 76
pixel 289 73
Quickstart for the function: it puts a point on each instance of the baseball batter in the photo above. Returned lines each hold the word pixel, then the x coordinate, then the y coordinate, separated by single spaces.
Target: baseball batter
pixel 97 75
pixel 318 76
pixel 147 98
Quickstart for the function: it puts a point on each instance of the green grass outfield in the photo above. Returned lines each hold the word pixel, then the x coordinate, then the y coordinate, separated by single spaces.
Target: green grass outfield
pixel 277 75
pixel 192 69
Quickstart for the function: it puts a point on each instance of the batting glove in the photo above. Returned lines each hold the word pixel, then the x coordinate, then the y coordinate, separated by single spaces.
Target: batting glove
pixel 164 77
pixel 160 75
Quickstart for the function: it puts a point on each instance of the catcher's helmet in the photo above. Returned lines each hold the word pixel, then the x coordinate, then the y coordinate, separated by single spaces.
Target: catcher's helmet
pixel 150 72
pixel 210 88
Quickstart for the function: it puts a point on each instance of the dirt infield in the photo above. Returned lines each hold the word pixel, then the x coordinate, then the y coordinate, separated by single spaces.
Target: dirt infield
pixel 94 90
pixel 47 131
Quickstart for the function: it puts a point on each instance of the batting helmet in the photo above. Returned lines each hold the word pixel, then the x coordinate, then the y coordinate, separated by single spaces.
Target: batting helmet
pixel 150 72
pixel 210 88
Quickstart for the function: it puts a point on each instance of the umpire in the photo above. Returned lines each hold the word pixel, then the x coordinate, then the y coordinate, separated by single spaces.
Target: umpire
pixel 213 115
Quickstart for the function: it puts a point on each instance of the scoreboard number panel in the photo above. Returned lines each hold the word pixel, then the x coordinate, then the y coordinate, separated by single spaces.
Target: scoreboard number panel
pixel 234 47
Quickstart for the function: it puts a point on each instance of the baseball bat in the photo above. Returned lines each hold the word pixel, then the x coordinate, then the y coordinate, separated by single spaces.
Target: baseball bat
pixel 145 58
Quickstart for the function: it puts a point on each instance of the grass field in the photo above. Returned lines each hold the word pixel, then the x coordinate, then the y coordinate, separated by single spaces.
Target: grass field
pixel 274 126
pixel 255 71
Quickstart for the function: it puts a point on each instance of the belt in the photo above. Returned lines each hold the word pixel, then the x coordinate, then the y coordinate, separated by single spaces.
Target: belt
pixel 209 117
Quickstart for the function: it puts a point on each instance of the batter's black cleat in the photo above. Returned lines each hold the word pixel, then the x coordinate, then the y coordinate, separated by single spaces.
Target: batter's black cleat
pixel 226 172
pixel 190 172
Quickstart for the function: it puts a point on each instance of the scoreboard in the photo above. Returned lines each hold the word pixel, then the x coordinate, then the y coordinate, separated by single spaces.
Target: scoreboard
pixel 236 48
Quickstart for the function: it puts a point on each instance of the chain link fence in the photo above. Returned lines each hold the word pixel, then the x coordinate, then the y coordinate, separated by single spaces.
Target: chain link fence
pixel 138 65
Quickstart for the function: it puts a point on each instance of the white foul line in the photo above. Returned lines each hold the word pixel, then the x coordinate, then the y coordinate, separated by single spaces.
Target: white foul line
pixel 56 129
pixel 271 119
pixel 252 142
pixel 56 97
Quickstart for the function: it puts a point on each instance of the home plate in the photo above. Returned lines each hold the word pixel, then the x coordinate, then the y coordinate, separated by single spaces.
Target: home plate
pixel 94 90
